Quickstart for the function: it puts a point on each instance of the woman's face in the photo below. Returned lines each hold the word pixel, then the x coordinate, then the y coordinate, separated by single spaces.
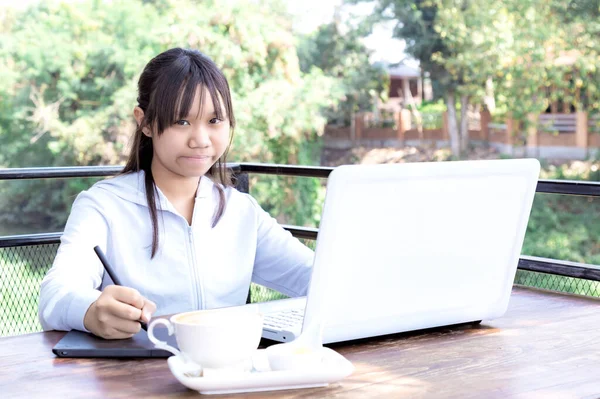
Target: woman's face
pixel 191 146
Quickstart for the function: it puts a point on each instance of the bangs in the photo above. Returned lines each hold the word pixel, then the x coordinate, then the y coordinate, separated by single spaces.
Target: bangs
pixel 168 106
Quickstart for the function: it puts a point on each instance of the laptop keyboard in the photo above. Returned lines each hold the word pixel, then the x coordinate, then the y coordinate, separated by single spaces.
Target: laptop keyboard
pixel 284 319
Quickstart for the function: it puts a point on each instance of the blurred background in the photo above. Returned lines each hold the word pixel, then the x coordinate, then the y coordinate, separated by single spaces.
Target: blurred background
pixel 320 82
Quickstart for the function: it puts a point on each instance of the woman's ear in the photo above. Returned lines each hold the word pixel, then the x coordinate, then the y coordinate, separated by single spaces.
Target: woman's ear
pixel 138 114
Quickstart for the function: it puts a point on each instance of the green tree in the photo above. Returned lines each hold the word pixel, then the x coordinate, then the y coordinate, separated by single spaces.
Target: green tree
pixel 337 50
pixel 579 21
pixel 460 44
pixel 477 38
pixel 516 47
pixel 68 86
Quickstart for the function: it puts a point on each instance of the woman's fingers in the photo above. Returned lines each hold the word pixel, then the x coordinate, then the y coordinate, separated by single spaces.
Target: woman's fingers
pixel 148 310
pixel 123 326
pixel 124 311
pixel 126 295
pixel 117 313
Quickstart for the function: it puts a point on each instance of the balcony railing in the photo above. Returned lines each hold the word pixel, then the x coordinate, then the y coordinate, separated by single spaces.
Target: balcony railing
pixel 24 259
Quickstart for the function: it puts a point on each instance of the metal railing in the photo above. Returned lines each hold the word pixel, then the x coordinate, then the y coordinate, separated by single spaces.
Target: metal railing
pixel 37 250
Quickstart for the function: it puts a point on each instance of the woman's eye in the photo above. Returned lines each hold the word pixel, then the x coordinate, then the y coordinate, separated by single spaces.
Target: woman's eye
pixel 182 122
pixel 215 121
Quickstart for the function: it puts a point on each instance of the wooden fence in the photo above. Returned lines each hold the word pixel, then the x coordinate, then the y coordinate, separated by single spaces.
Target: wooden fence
pixel 576 130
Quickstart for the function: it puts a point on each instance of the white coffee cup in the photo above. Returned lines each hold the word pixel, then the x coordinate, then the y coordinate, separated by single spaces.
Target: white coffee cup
pixel 213 338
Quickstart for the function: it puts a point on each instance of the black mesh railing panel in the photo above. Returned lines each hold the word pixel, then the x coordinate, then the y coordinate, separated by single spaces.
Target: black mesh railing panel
pixel 21 272
pixel 553 282
pixel 23 268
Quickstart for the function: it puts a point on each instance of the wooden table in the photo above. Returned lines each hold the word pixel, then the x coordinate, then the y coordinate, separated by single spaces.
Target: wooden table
pixel 546 346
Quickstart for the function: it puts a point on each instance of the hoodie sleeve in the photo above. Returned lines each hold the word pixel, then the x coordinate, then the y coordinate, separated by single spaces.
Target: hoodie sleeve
pixel 282 262
pixel 71 285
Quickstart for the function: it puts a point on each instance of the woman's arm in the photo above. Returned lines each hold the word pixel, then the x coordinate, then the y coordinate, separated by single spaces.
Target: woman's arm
pixel 282 262
pixel 71 285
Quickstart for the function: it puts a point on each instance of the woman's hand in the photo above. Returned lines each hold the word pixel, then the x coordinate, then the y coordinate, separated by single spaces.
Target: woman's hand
pixel 117 313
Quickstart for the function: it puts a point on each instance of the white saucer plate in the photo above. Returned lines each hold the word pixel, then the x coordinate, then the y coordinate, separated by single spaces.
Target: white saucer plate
pixel 333 368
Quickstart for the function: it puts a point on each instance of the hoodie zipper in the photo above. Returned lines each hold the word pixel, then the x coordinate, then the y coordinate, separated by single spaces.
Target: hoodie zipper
pixel 193 267
pixel 198 289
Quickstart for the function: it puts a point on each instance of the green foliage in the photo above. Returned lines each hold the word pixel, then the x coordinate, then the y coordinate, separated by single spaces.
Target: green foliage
pixel 477 37
pixel 562 227
pixel 432 114
pixel 531 52
pixel 432 106
pixel 68 74
pixel 296 200
pixel 460 44
pixel 337 50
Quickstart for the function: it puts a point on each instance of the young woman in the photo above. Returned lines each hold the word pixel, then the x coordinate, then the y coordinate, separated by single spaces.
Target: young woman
pixel 178 237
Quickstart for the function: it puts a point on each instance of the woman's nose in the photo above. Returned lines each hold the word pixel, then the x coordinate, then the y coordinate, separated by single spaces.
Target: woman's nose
pixel 200 138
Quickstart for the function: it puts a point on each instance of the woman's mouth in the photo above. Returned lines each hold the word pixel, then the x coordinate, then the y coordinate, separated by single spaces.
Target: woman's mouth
pixel 198 158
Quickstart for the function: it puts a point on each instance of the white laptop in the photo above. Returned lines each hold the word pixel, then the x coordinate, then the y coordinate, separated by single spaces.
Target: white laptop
pixel 404 247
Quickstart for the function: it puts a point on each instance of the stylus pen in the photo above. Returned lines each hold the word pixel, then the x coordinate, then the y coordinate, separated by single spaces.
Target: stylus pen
pixel 112 275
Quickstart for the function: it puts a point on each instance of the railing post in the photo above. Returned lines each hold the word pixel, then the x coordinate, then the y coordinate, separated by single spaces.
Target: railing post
pixel 359 122
pixel 403 124
pixel 484 119
pixel 510 131
pixel 581 129
pixel 445 131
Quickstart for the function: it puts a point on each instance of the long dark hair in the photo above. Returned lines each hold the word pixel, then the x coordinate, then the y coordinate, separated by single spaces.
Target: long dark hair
pixel 166 91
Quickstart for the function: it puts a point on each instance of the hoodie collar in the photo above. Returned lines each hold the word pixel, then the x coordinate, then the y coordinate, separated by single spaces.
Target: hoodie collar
pixel 132 187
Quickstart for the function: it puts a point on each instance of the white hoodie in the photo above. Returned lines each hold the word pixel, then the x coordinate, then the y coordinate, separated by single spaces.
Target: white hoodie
pixel 195 267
